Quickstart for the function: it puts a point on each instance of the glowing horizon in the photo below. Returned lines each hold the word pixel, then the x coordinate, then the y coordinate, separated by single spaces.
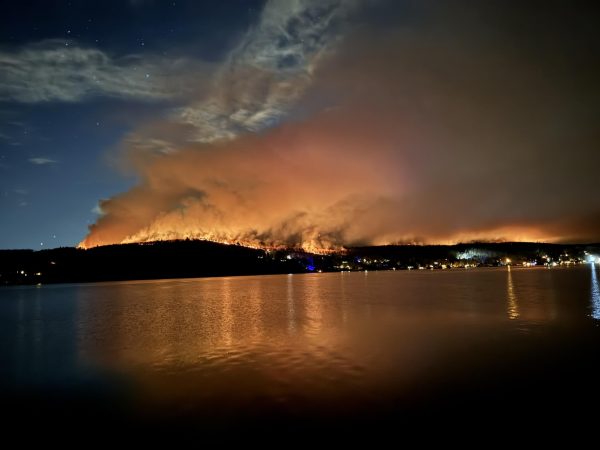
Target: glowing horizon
pixel 313 247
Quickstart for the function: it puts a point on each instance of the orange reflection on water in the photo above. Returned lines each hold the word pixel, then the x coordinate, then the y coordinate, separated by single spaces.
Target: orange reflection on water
pixel 318 335
pixel 218 340
pixel 291 307
pixel 182 322
pixel 227 313
pixel 525 300
pixel 513 306
pixel 313 298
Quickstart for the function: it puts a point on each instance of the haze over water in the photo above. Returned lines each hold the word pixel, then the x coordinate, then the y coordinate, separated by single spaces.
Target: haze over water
pixel 303 349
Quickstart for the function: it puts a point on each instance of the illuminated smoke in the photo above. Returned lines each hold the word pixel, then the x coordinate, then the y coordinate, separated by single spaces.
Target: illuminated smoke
pixel 310 185
pixel 442 132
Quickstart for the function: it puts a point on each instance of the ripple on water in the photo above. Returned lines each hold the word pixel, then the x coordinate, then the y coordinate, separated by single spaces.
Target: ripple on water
pixel 281 368
pixel 284 338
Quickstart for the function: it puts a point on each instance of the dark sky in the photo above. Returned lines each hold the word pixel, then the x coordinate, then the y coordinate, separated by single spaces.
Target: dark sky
pixel 317 123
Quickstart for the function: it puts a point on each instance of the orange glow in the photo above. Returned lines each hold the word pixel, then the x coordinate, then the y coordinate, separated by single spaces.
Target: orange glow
pixel 395 161
pixel 317 246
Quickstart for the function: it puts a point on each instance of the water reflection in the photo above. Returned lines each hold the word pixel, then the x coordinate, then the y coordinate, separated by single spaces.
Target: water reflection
pixel 533 295
pixel 184 322
pixel 313 299
pixel 167 325
pixel 280 337
pixel 513 306
pixel 227 313
pixel 255 313
pixel 291 307
pixel 595 294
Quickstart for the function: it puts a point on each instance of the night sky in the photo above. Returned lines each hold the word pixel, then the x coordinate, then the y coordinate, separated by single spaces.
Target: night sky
pixel 302 122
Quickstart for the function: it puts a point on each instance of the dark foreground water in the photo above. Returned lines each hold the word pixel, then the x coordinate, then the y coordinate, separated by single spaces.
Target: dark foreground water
pixel 378 351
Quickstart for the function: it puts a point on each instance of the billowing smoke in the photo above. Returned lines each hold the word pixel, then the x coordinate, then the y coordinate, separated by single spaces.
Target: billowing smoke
pixel 438 124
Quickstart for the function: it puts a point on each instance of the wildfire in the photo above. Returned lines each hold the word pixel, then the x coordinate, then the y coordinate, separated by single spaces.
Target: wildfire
pixel 310 241
pixel 309 246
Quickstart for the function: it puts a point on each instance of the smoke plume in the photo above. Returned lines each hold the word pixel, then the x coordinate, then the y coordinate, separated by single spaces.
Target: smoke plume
pixel 441 123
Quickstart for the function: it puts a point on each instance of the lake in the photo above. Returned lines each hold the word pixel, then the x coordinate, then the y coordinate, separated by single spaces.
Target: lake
pixel 310 351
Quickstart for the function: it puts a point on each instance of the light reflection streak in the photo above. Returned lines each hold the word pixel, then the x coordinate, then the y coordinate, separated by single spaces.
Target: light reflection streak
pixel 513 306
pixel 291 309
pixel 255 301
pixel 343 298
pixel 313 306
pixel 595 298
pixel 227 314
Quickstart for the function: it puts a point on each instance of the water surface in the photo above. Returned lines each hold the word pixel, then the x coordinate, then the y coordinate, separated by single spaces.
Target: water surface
pixel 304 349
